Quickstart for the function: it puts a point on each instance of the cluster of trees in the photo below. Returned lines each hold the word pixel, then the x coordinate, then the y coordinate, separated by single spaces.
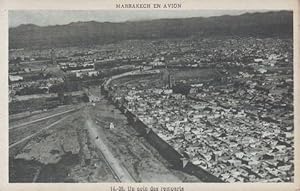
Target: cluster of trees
pixel 69 86
pixel 182 88
pixel 31 90
pixel 33 76
pixel 44 103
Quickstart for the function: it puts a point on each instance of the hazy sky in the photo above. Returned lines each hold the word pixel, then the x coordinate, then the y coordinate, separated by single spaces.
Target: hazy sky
pixel 58 17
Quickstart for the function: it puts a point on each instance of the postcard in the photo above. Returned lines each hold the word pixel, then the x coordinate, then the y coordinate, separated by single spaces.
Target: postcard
pixel 150 95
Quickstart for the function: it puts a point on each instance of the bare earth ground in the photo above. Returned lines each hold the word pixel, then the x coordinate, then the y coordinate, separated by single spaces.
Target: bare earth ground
pixel 60 154
pixel 82 148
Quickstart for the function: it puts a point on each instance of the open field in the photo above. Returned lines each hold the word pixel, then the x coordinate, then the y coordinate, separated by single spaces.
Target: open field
pixel 62 153
pixel 203 74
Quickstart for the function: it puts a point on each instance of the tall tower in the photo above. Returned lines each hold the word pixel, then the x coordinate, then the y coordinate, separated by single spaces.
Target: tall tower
pixel 171 81
pixel 53 57
pixel 165 77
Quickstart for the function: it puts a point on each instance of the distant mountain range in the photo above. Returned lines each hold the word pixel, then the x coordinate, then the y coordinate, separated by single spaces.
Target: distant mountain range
pixel 266 24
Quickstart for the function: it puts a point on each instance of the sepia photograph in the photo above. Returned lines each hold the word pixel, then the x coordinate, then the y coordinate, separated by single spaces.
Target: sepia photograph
pixel 136 96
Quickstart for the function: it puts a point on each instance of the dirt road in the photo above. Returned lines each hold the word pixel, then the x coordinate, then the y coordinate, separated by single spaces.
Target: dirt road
pixel 40 119
pixel 121 172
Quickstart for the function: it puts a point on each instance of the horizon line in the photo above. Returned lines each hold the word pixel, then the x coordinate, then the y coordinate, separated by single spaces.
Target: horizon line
pixel 142 19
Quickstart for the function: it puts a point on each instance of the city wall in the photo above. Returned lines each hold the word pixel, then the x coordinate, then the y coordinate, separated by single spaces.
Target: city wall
pixel 178 161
